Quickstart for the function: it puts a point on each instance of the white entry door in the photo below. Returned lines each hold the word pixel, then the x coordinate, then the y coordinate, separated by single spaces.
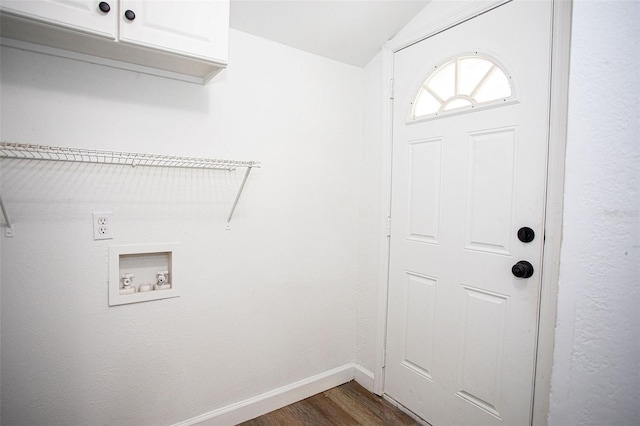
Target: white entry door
pixel 470 138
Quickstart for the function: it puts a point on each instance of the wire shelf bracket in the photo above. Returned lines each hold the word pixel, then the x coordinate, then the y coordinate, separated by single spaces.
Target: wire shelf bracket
pixel 22 151
pixel 8 230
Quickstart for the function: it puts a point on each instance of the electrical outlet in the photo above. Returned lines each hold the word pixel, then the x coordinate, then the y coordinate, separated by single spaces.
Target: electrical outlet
pixel 102 225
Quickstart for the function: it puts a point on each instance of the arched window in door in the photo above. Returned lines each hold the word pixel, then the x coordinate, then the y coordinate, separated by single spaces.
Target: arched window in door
pixel 465 83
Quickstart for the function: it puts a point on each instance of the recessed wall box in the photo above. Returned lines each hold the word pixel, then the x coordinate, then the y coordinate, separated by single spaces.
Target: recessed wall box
pixel 143 272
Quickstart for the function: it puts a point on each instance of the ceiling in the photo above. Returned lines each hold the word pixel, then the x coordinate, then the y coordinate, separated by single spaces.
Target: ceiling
pixel 349 31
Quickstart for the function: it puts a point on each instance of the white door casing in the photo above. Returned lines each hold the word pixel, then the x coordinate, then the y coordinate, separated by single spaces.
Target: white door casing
pixel 462 329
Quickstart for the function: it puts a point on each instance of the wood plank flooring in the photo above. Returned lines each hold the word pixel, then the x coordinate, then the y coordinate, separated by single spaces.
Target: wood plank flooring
pixel 346 405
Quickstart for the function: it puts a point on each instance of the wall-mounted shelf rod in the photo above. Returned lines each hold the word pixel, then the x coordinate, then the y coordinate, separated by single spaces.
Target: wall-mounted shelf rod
pixel 22 151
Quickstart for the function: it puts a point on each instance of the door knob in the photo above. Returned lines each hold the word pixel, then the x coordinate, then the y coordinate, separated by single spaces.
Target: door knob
pixel 130 15
pixel 526 234
pixel 522 269
pixel 104 6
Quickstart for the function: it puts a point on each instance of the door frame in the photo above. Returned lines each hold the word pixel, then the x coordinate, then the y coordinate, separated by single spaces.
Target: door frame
pixel 559 93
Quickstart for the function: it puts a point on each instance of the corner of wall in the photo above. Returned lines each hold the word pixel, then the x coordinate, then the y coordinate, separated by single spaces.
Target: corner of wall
pixel 369 219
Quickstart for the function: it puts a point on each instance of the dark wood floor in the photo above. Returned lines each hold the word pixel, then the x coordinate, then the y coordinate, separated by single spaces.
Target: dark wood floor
pixel 346 405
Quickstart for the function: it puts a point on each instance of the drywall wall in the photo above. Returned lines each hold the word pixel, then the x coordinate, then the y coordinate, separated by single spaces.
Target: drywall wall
pixel 370 217
pixel 596 373
pixel 264 305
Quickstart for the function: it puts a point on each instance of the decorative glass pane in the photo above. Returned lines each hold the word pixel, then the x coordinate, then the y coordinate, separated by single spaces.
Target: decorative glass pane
pixel 471 71
pixel 496 86
pixel 465 82
pixel 443 82
pixel 426 104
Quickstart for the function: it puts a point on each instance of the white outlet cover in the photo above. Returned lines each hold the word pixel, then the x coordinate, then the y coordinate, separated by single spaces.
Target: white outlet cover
pixel 102 225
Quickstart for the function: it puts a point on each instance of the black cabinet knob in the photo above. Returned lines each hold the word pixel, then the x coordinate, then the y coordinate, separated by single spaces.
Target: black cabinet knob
pixel 522 269
pixel 526 234
pixel 130 15
pixel 104 6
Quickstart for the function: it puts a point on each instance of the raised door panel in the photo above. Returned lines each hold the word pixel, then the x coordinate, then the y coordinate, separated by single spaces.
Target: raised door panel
pixel 490 198
pixel 78 15
pixel 424 190
pixel 483 322
pixel 419 324
pixel 198 29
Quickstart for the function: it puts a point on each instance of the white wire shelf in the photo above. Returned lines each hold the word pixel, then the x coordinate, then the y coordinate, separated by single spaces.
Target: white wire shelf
pixel 82 155
pixel 23 151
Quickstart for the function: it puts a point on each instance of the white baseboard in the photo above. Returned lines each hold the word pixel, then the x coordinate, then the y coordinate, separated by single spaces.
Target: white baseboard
pixel 363 376
pixel 278 398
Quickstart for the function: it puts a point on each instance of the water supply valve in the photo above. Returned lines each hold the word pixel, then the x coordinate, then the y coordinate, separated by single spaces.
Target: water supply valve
pixel 162 280
pixel 127 284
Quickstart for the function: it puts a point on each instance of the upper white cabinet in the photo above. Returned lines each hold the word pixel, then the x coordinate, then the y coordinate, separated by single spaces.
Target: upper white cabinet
pixel 171 26
pixel 85 16
pixel 184 39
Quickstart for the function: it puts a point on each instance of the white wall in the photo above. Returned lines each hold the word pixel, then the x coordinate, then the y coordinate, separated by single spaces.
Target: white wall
pixel 370 217
pixel 264 305
pixel 596 374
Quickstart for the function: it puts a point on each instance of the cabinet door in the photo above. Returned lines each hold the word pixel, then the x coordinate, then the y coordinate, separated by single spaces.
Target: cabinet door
pixel 196 28
pixel 78 15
